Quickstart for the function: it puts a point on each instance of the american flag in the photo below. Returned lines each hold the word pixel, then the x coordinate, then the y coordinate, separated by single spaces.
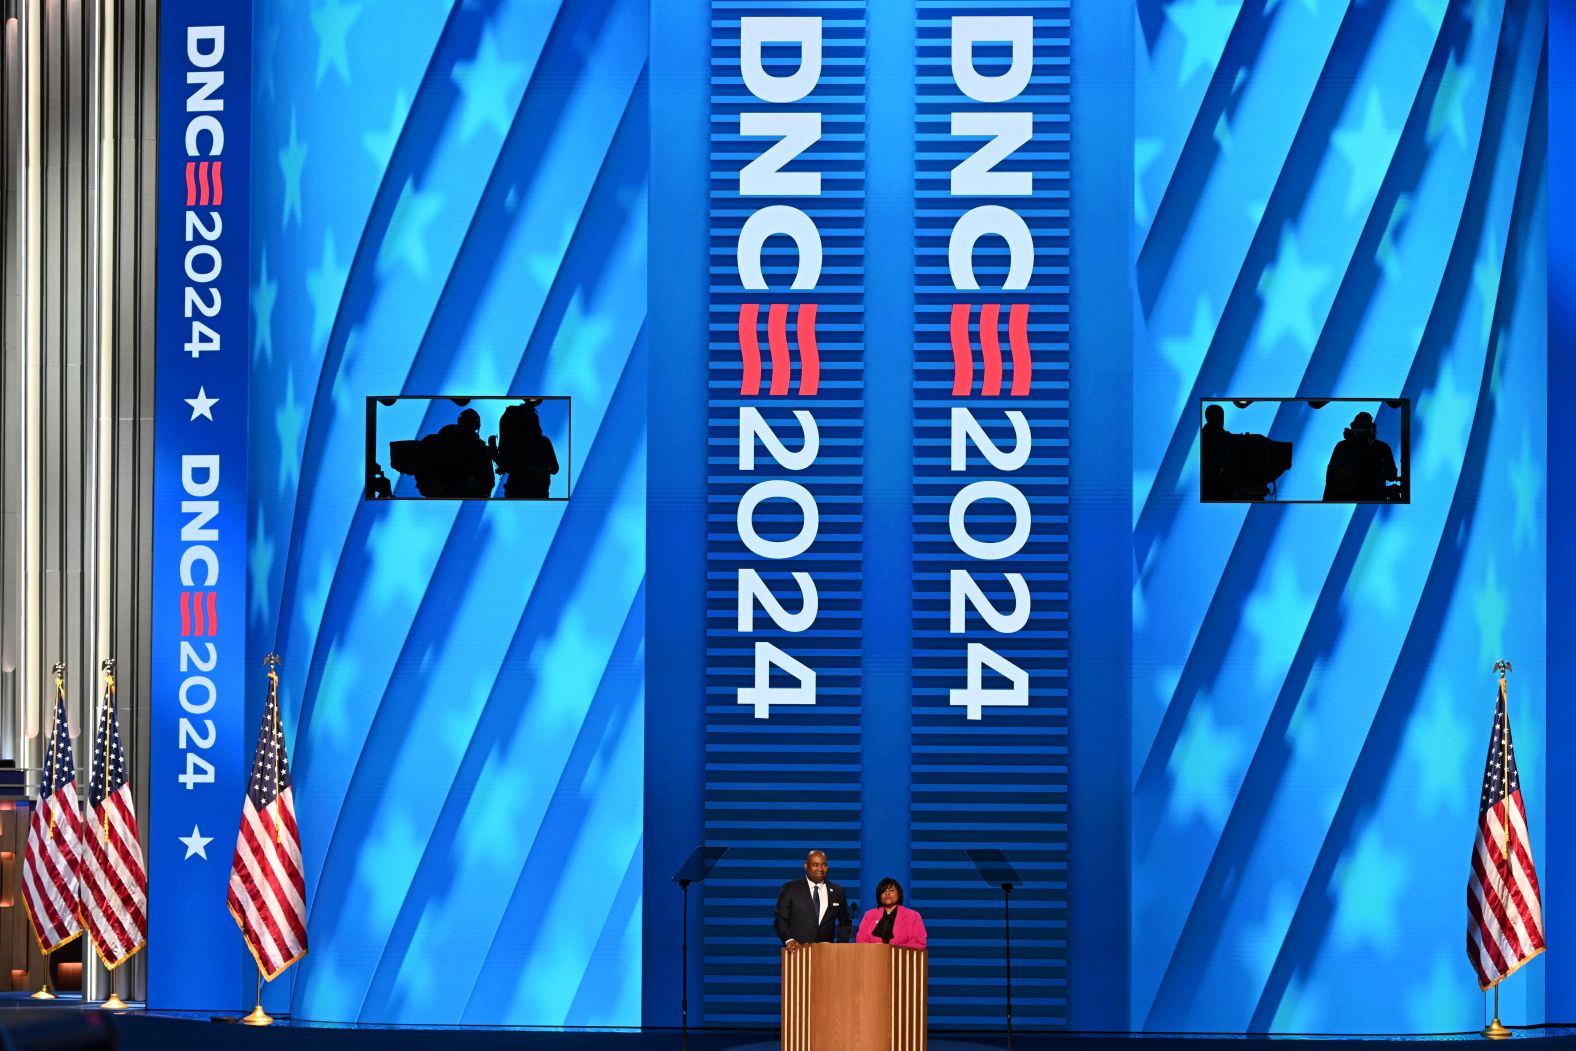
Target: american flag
pixel 1504 906
pixel 267 891
pixel 114 880
pixel 54 841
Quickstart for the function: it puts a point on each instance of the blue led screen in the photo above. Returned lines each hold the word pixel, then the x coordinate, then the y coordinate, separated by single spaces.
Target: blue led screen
pixel 496 775
pixel 453 199
pixel 1333 199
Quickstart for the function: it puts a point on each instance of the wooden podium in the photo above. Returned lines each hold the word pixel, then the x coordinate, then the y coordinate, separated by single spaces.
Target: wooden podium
pixel 844 997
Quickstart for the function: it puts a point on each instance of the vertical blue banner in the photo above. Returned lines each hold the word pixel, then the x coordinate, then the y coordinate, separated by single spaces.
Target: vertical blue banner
pixel 1561 498
pixel 991 353
pixel 785 472
pixel 197 960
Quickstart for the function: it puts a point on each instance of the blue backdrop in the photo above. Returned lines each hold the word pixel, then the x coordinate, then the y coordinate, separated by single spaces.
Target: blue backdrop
pixel 454 200
pixel 1275 716
pixel 1333 199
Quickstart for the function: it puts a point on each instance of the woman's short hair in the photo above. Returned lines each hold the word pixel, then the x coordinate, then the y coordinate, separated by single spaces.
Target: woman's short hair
pixel 889 882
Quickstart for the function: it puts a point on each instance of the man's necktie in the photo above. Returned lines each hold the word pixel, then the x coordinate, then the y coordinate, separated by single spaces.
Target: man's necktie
pixel 815 899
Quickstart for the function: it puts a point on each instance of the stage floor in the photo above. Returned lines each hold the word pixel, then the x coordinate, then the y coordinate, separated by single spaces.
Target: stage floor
pixel 31 1025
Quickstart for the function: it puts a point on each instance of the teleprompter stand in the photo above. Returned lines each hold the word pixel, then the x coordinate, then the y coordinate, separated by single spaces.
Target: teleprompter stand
pixel 695 869
pixel 995 869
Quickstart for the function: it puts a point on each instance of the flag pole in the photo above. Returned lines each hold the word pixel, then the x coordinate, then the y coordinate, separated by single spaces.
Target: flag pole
pixel 1494 1030
pixel 60 690
pixel 114 1003
pixel 109 692
pixel 258 1015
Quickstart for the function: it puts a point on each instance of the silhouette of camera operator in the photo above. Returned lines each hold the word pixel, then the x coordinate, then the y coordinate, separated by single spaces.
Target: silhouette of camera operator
pixel 378 485
pixel 1212 454
pixel 1238 466
pixel 1360 465
pixel 453 462
pixel 525 456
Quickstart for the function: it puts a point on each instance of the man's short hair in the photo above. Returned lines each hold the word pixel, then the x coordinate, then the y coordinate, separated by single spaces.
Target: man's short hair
pixel 812 852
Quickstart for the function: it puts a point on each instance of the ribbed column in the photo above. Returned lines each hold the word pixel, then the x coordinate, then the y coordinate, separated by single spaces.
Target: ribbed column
pixel 76 382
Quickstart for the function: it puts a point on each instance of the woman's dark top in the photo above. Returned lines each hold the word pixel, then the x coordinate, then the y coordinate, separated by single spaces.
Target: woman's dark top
pixel 884 926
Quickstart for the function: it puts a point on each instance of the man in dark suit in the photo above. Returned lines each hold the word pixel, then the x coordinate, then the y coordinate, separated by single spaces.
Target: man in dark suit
pixel 812 909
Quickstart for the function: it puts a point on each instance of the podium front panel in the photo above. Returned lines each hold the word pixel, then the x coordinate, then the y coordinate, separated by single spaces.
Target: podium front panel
pixel 853 998
pixel 910 985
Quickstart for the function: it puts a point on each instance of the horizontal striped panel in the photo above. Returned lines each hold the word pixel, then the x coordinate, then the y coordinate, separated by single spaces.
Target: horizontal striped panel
pixel 998 781
pixel 778 785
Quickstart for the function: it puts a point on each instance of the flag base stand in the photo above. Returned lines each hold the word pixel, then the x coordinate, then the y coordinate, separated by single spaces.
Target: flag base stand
pixel 114 1003
pixel 44 993
pixel 1495 1031
pixel 258 1017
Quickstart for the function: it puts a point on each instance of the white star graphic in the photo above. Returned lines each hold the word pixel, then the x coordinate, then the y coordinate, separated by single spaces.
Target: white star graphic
pixel 196 843
pixel 202 405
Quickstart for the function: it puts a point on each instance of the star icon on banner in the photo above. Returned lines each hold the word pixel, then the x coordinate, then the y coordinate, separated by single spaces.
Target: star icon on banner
pixel 1205 26
pixel 1440 740
pixel 1435 1002
pixel 1485 280
pixel 405 547
pixel 292 159
pixel 260 560
pixel 1186 353
pixel 380 144
pixel 1261 941
pixel 196 844
pixel 1446 416
pixel 325 283
pixel 1276 615
pixel 1491 610
pixel 1525 479
pixel 287 425
pixel 487 84
pixel 1206 768
pixel 548 255
pixel 386 851
pixel 264 295
pixel 575 364
pixel 202 405
pixel 1449 110
pixel 1385 549
pixel 405 238
pixel 331 22
pixel 1367 150
pixel 477 368
pixel 1372 880
pixel 1288 290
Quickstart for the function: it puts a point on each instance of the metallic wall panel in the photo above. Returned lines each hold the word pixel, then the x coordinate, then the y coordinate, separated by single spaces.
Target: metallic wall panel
pixel 93 194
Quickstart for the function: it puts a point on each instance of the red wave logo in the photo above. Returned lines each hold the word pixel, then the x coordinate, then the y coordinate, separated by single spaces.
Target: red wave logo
pixel 990 349
pixel 198 187
pixel 777 344
pixel 199 613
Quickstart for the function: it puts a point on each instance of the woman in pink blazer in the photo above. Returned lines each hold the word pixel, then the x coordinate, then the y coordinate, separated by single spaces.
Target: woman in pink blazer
pixel 891 922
